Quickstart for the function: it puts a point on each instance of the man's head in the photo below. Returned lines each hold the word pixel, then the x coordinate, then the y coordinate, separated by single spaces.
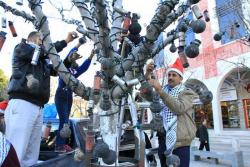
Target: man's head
pixel 174 78
pixel 35 38
pixel 175 73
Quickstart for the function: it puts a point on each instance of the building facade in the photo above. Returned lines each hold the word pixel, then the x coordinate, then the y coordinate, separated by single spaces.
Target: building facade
pixel 222 66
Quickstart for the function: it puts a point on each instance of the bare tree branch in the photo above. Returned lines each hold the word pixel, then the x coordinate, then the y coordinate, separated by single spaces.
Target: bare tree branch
pixel 104 30
pixel 88 20
pixel 116 25
pixel 74 84
pixel 16 12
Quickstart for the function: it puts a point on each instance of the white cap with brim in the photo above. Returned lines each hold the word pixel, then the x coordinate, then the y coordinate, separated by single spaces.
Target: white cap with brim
pixel 176 67
pixel 175 70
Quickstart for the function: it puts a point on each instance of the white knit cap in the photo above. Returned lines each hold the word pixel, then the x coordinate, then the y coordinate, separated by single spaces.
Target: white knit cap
pixel 176 67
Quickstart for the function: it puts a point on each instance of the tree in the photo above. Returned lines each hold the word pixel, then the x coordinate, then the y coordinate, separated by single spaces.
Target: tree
pixel 118 74
pixel 3 85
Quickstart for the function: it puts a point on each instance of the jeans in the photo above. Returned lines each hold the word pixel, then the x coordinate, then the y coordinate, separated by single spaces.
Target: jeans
pixel 63 102
pixel 182 152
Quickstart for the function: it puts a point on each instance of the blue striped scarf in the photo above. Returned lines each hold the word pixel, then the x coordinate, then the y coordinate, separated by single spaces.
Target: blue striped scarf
pixel 4 148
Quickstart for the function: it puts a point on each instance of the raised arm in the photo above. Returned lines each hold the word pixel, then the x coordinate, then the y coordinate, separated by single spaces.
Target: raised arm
pixel 180 105
pixel 85 65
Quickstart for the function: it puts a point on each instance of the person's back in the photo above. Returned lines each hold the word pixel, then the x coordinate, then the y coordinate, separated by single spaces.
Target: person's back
pixel 202 134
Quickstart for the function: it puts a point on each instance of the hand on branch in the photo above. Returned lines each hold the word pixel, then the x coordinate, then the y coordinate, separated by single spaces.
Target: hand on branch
pixel 73 57
pixel 121 37
pixel 150 66
pixel 92 54
pixel 81 41
pixel 155 84
pixel 71 36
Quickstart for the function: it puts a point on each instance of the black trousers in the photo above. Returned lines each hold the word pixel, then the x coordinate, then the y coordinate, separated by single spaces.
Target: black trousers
pixel 206 144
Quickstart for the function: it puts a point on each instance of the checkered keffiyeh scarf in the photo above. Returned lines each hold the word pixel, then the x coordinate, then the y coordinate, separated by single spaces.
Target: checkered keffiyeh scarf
pixel 4 148
pixel 170 118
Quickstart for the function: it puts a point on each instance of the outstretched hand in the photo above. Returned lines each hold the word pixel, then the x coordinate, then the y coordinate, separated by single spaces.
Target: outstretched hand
pixel 71 36
pixel 149 70
pixel 92 54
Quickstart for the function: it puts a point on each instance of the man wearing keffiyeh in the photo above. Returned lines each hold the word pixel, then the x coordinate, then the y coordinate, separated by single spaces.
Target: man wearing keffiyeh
pixel 177 111
pixel 8 156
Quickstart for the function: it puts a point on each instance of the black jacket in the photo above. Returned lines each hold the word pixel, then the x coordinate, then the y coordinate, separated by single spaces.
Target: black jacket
pixel 202 133
pixel 31 82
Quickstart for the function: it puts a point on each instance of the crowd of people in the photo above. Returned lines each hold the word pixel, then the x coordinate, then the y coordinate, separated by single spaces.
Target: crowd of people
pixel 29 91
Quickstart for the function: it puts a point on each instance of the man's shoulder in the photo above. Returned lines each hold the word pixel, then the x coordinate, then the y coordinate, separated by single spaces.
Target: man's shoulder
pixel 23 47
pixel 23 44
pixel 188 91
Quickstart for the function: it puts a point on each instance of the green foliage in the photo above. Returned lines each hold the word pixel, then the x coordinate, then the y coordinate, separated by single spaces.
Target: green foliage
pixel 3 85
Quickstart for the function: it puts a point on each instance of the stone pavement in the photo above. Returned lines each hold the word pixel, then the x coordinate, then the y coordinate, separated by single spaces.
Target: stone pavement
pixel 221 147
pixel 218 145
pixel 203 163
pixel 208 163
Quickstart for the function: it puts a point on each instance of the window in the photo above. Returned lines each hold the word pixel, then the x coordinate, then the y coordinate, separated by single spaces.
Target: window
pixel 159 58
pixel 230 114
pixel 190 35
pixel 246 103
pixel 229 13
pixel 203 111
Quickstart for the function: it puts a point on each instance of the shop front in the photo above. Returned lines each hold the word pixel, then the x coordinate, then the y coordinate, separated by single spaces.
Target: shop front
pixel 235 101
pixel 202 108
pixel 246 104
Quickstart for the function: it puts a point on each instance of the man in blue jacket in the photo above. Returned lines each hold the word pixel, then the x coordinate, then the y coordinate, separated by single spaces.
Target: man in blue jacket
pixel 29 90
pixel 64 95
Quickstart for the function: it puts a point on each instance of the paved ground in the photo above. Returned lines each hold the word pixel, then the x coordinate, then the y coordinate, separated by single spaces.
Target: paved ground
pixel 204 163
pixel 222 163
pixel 207 163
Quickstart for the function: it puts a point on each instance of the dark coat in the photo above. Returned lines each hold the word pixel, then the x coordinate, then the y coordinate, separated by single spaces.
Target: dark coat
pixel 202 133
pixel 31 82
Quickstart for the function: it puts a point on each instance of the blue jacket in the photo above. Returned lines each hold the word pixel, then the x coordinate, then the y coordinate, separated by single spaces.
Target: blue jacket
pixel 76 72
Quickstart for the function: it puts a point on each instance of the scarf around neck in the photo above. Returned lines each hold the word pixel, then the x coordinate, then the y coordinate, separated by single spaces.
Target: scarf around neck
pixel 4 148
pixel 170 118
